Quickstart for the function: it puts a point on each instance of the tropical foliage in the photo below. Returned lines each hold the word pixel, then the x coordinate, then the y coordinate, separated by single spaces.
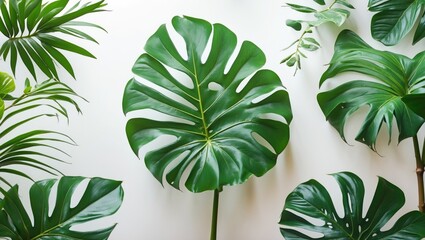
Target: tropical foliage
pixel 312 200
pixel 34 32
pixel 397 83
pixel 101 198
pixel 33 148
pixel 224 127
pixel 38 31
pixel 394 19
pixel 394 78
pixel 336 12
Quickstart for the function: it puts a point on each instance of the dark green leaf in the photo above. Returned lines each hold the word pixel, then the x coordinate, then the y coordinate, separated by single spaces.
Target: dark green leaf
pixel 295 24
pixel 320 2
pixel 34 148
pixel 72 15
pixel 63 44
pixel 32 18
pixel 416 102
pixel 396 76
pixel 420 31
pixel 50 10
pixel 313 200
pixel 6 19
pixel 101 198
pixel 345 3
pixel 25 58
pixel 219 129
pixel 13 8
pixel 300 8
pixel 394 19
pixel 30 26
pixel 60 58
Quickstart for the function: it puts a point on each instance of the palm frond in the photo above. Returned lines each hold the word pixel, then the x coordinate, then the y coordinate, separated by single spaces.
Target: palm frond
pixel 38 32
pixel 35 148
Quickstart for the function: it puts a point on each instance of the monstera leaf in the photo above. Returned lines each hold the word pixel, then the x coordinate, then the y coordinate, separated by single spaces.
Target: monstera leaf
pixel 416 102
pixel 394 78
pixel 395 19
pixel 313 200
pixel 101 198
pixel 37 31
pixel 227 125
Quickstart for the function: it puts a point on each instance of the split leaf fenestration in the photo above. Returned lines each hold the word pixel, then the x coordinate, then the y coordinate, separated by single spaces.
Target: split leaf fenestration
pixel 396 18
pixel 226 124
pixel 311 200
pixel 101 198
pixel 395 77
pixel 38 31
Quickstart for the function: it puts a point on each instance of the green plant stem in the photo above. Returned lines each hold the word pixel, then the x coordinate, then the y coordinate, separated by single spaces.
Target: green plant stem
pixel 215 214
pixel 419 174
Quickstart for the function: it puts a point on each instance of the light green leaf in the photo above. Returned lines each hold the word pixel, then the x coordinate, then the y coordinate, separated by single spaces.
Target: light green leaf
pixel 219 131
pixel 7 84
pixel 334 15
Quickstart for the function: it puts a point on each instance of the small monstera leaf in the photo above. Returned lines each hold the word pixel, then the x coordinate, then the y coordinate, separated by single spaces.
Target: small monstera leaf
pixel 7 85
pixel 395 77
pixel 313 200
pixel 222 134
pixel 101 198
pixel 395 19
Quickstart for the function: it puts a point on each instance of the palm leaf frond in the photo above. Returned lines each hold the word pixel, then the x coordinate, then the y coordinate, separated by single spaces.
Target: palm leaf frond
pixel 35 148
pixel 38 32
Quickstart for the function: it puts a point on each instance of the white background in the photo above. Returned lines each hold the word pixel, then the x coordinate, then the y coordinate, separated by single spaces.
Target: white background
pixel 249 211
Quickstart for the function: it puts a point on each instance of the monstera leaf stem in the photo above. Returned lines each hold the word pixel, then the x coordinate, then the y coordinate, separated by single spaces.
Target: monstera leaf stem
pixel 419 174
pixel 215 214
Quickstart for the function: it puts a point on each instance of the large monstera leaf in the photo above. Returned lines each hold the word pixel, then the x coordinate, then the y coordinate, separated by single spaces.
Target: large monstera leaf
pixel 222 134
pixel 416 102
pixel 395 19
pixel 101 198
pixel 394 77
pixel 313 200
